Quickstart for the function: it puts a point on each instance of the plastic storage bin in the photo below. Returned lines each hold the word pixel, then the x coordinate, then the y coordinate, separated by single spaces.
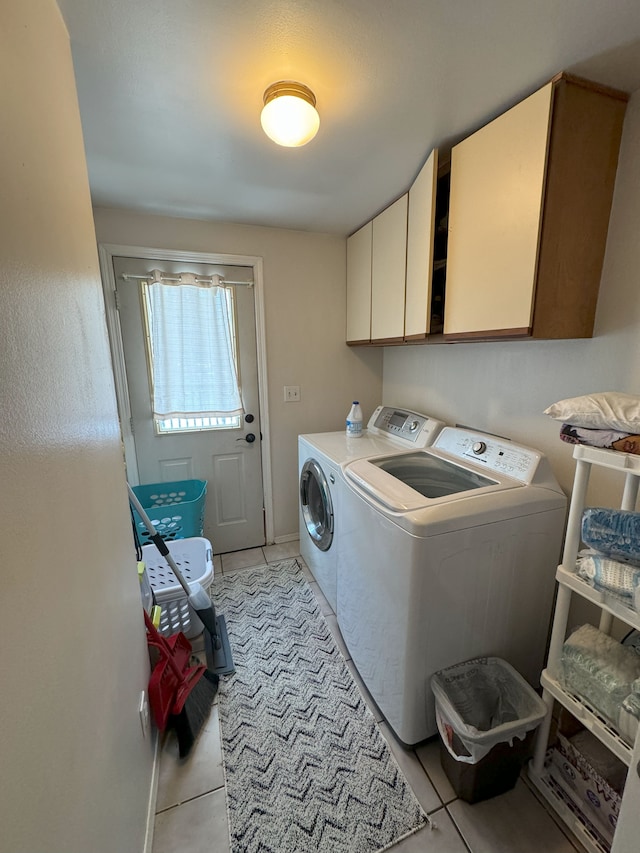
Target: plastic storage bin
pixel 176 509
pixel 486 715
pixel 194 558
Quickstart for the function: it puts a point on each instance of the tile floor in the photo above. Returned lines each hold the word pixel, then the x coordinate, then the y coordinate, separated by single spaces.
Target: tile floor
pixel 191 814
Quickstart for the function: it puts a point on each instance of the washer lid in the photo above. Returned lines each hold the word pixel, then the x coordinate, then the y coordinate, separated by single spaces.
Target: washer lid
pixel 407 481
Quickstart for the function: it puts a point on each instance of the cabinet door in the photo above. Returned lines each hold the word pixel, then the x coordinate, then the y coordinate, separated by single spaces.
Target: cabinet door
pixel 497 183
pixel 388 272
pixel 359 285
pixel 420 236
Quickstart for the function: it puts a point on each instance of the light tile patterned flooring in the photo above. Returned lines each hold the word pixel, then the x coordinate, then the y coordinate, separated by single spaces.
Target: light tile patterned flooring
pixel 191 807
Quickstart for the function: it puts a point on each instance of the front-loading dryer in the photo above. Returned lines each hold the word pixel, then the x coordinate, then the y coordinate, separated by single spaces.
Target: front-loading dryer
pixel 447 553
pixel 320 460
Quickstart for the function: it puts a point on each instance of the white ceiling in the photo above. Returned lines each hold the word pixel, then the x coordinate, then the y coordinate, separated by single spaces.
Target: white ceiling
pixel 171 91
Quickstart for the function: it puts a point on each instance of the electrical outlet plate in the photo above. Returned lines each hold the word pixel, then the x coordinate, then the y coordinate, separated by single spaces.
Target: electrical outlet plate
pixel 291 393
pixel 143 710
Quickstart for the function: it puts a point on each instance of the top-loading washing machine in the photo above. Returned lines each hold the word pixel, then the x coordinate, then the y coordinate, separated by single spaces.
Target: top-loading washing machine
pixel 447 553
pixel 320 457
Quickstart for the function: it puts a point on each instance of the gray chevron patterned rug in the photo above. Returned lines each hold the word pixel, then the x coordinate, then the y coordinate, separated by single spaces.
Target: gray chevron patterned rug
pixel 306 766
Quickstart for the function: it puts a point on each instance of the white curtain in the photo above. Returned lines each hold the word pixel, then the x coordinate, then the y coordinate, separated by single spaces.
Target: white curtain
pixel 194 371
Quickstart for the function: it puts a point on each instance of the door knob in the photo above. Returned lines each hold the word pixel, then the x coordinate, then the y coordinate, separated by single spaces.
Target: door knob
pixel 249 438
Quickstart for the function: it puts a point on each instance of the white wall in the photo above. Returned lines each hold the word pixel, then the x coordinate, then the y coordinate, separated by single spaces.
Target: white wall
pixel 74 768
pixel 504 387
pixel 305 315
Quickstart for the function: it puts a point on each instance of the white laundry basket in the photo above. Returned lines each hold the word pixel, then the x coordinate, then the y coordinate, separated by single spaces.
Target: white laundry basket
pixel 194 558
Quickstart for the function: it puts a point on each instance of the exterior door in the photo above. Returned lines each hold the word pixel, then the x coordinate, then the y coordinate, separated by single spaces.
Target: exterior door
pixel 224 452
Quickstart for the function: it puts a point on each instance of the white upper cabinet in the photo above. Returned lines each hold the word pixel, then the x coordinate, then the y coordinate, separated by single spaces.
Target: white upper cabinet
pixel 359 285
pixel 506 240
pixel 529 210
pixel 388 272
pixel 420 241
pixel 497 180
pixel 390 267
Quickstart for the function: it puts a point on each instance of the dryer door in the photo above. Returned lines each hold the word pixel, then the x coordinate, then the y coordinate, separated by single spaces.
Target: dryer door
pixel 317 508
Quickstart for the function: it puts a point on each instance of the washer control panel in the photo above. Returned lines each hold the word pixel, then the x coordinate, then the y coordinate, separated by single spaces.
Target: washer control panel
pixel 488 451
pixel 416 429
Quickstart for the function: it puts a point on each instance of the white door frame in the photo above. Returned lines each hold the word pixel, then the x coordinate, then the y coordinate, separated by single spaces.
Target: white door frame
pixel 106 253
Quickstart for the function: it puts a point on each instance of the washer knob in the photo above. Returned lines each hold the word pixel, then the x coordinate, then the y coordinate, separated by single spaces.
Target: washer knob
pixel 479 447
pixel 413 426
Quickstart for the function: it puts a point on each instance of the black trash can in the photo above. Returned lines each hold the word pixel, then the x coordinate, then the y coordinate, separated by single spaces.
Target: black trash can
pixel 487 715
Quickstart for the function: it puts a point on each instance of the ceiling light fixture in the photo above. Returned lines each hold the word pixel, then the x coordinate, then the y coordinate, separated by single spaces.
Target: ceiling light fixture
pixel 289 115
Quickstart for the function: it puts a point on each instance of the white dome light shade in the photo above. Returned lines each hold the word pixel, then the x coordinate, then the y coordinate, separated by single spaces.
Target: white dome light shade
pixel 289 116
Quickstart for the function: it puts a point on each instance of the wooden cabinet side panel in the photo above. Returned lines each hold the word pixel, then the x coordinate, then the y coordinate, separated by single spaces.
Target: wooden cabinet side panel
pixel 359 284
pixel 420 235
pixel 497 180
pixel 388 271
pixel 583 157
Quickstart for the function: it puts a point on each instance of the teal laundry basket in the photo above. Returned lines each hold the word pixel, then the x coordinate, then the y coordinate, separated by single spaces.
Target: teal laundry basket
pixel 176 509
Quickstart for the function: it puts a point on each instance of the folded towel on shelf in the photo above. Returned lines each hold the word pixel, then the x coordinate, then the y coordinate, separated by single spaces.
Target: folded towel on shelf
pixel 620 578
pixel 600 670
pixel 595 437
pixel 615 533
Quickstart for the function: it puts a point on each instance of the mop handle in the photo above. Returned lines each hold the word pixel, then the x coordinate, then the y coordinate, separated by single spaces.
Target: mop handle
pixel 157 540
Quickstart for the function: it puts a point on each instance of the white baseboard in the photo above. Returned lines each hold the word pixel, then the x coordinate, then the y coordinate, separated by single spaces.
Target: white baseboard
pixel 153 793
pixel 289 537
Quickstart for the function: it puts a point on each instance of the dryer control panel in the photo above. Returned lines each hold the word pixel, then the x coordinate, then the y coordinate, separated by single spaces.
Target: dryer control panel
pixel 416 429
pixel 490 452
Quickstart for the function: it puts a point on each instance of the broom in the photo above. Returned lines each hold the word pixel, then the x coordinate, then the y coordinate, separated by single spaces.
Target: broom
pixel 180 695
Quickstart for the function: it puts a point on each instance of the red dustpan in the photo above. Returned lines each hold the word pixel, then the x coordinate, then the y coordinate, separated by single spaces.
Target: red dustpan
pixel 180 695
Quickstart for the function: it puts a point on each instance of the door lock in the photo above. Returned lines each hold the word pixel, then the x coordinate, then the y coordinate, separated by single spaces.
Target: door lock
pixel 249 438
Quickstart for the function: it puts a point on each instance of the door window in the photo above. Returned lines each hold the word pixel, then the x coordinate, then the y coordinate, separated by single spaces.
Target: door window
pixel 191 353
